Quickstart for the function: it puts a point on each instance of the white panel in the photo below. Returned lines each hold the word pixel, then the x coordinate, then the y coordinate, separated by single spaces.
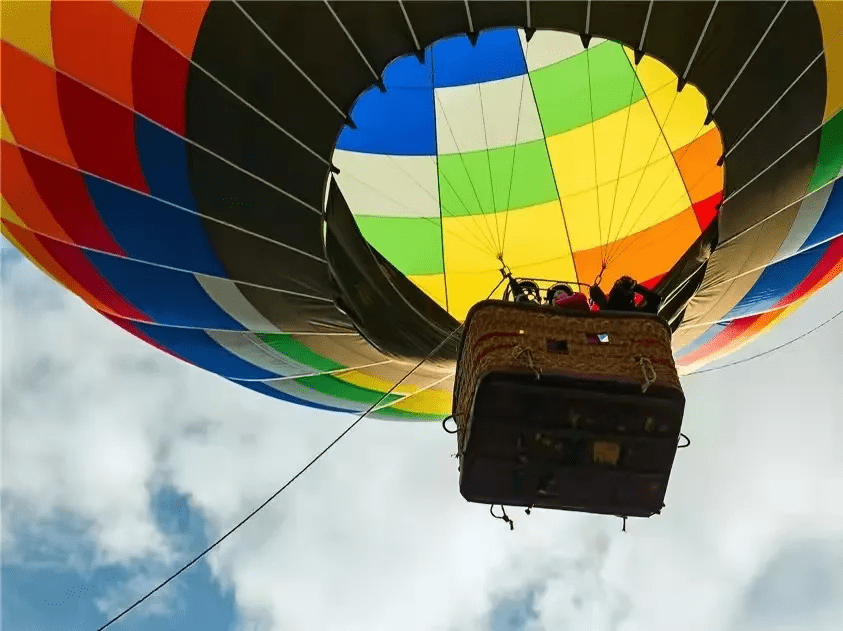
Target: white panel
pixel 230 299
pixel 388 186
pixel 810 211
pixel 251 349
pixel 548 47
pixel 488 115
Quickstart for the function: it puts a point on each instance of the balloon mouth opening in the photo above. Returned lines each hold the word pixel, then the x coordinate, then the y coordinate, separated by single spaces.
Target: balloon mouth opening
pixel 566 162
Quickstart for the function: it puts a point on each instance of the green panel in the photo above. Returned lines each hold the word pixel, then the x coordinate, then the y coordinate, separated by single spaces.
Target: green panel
pixel 830 158
pixel 563 94
pixel 498 182
pixel 412 244
pixel 327 384
pixel 295 350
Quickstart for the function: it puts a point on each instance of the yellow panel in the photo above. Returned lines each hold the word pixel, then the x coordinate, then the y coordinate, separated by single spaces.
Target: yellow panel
pixel 132 7
pixel 465 289
pixel 830 13
pixel 431 401
pixel 637 140
pixel 26 25
pixel 643 199
pixel 431 284
pixel 8 213
pixel 364 380
pixel 681 114
pixel 5 130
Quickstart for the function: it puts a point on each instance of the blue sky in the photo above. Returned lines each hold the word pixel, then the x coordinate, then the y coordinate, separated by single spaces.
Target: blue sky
pixel 119 463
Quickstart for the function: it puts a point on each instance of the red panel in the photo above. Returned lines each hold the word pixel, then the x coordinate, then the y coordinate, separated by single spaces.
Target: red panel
pixel 160 79
pixel 92 42
pixel 127 326
pixel 706 210
pixel 66 196
pixel 833 258
pixel 19 190
pixel 32 108
pixel 101 134
pixel 77 265
pixel 175 21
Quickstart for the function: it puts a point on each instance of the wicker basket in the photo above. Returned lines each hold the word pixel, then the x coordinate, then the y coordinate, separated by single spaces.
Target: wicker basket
pixel 611 354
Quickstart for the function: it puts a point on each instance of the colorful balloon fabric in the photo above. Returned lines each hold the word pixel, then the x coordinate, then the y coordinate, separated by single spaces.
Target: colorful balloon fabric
pixel 307 197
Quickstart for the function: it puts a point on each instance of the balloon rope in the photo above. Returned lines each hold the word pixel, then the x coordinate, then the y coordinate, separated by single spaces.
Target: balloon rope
pixel 290 481
pixel 767 352
pixel 410 26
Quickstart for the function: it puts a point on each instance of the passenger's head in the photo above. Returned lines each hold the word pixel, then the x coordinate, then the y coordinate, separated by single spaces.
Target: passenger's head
pixel 625 284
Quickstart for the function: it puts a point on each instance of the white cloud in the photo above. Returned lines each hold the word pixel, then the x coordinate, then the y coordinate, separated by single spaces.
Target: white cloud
pixel 375 536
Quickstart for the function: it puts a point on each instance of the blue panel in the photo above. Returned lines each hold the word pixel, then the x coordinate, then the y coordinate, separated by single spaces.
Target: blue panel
pixel 709 334
pixel 200 349
pixel 261 387
pixel 167 296
pixel 153 231
pixel 830 224
pixel 776 282
pixel 409 72
pixel 399 121
pixel 497 55
pixel 163 158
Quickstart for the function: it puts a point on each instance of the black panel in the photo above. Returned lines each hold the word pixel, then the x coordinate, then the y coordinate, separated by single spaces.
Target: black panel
pixel 379 29
pixel 296 314
pixel 231 49
pixel 496 14
pixel 435 19
pixel 564 16
pixel 620 21
pixel 313 39
pixel 388 310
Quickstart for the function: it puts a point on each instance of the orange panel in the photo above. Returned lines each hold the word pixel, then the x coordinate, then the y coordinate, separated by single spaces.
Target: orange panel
pixel 697 163
pixel 175 21
pixel 642 255
pixel 32 108
pixel 34 251
pixel 93 42
pixel 20 193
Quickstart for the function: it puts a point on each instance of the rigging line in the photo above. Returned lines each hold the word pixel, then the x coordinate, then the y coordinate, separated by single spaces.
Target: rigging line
pixel 745 273
pixel 748 59
pixel 777 101
pixel 353 43
pixel 468 14
pixel 555 181
pixel 214 330
pixel 588 18
pixel 699 41
pixel 441 173
pixel 529 15
pixel 468 176
pixel 244 101
pixel 514 155
pixel 169 267
pixel 646 24
pixel 687 198
pixel 620 162
pixel 613 246
pixel 412 394
pixel 280 490
pixel 221 222
pixel 594 145
pixel 476 244
pixel 184 138
pixel 336 371
pixel 409 25
pixel 289 59
pixel 767 352
pixel 489 164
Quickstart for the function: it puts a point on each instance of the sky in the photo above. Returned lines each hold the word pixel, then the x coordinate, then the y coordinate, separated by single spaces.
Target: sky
pixel 119 463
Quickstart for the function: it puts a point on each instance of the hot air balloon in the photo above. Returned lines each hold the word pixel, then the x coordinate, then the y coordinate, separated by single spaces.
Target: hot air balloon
pixel 308 198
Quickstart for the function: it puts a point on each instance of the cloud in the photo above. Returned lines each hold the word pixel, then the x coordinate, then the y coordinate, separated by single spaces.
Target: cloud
pixel 375 536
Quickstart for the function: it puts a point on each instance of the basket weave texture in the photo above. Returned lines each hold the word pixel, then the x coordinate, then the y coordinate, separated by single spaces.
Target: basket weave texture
pixel 503 336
